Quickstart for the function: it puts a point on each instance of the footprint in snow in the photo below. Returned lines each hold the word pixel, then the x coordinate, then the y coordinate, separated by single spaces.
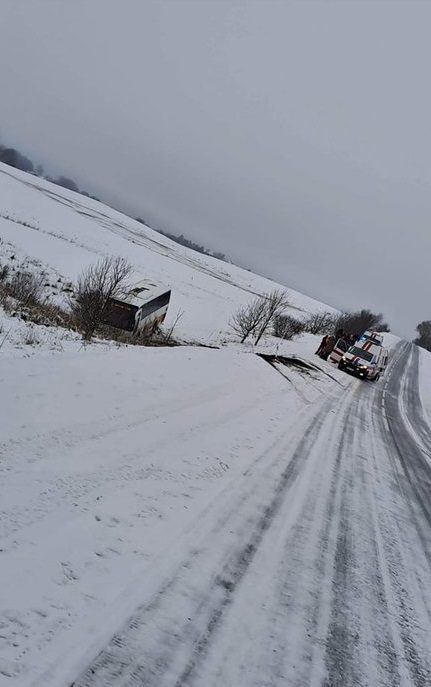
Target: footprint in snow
pixel 69 574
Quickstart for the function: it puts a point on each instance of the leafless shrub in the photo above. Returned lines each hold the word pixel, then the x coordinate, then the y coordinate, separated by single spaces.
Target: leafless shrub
pixel 255 318
pixel 25 287
pixel 168 334
pixel 276 303
pixel 248 318
pixel 49 314
pixel 4 272
pixel 106 279
pixel 320 323
pixel 287 327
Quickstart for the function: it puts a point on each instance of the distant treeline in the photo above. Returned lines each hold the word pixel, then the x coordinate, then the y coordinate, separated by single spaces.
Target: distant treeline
pixel 13 157
pixel 185 242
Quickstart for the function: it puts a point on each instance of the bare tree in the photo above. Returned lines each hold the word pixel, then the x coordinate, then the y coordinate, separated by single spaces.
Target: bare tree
pixel 286 327
pixel 275 303
pixel 320 323
pixel 424 338
pixel 106 279
pixel 248 318
pixel 358 322
pixel 255 318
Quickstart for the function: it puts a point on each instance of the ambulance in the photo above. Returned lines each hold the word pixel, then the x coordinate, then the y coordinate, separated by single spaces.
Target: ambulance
pixel 367 358
pixel 374 337
pixel 338 351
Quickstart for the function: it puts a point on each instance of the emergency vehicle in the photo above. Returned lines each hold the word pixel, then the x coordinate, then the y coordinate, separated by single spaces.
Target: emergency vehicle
pixel 338 351
pixel 366 358
pixel 374 337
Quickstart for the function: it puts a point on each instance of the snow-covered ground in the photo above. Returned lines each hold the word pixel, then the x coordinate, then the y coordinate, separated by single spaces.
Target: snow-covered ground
pixel 425 378
pixel 111 455
pixel 196 516
pixel 67 232
pixel 109 460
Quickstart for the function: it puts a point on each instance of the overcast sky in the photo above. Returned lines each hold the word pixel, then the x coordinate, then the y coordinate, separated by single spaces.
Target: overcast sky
pixel 293 136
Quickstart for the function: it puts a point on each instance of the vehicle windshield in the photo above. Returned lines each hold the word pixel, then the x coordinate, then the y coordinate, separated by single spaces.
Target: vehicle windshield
pixel 360 353
pixel 341 345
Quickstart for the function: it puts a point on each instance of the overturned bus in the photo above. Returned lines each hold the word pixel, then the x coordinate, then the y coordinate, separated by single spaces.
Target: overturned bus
pixel 142 309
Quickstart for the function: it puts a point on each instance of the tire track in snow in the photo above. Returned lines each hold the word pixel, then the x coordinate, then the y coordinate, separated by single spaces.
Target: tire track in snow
pixel 407 592
pixel 369 623
pixel 415 468
pixel 68 490
pixel 398 649
pixel 364 617
pixel 312 531
pixel 343 626
pixel 368 618
pixel 208 608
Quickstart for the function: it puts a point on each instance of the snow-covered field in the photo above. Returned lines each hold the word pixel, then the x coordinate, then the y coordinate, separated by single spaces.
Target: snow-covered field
pixel 67 232
pixel 196 516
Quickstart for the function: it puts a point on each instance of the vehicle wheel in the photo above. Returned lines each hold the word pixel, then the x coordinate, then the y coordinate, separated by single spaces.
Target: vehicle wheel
pixel 377 377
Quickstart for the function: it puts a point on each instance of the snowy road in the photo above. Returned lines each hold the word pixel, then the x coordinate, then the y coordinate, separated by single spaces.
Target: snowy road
pixel 314 569
pixel 191 517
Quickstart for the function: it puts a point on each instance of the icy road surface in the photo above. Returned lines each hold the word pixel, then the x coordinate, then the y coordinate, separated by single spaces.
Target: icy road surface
pixel 302 558
pixel 315 570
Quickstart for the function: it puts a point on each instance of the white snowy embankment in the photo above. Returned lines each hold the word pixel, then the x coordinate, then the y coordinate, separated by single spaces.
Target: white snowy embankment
pixel 425 379
pixel 109 458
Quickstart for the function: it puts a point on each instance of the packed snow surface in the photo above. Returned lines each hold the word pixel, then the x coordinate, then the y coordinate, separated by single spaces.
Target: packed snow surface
pixel 425 378
pixel 109 462
pixel 199 517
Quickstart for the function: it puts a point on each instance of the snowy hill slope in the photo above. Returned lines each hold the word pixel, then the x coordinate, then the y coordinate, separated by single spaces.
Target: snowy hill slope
pixel 185 515
pixel 67 232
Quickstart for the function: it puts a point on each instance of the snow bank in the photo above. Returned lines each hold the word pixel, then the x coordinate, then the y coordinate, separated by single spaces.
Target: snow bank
pixel 109 458
pixel 425 379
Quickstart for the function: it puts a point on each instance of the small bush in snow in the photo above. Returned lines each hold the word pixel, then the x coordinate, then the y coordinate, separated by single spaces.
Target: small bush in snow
pixel 25 287
pixel 320 323
pixel 106 279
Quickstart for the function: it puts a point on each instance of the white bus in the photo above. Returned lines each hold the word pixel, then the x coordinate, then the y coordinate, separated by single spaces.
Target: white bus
pixel 144 308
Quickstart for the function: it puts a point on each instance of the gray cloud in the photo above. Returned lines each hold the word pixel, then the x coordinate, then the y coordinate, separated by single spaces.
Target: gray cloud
pixel 294 136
